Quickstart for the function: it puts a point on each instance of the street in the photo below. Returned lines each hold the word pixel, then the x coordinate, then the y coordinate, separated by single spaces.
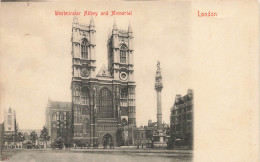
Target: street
pixel 116 155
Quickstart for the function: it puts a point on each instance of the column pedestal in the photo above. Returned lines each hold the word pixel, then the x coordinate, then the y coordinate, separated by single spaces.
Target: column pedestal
pixel 160 138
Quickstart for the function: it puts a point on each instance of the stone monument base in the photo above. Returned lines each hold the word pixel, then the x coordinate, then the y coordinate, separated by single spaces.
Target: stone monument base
pixel 158 144
pixel 160 137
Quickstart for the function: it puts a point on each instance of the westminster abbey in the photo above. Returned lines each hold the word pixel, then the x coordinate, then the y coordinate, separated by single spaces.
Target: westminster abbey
pixel 103 103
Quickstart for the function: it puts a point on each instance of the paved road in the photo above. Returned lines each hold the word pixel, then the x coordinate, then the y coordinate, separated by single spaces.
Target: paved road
pixel 93 156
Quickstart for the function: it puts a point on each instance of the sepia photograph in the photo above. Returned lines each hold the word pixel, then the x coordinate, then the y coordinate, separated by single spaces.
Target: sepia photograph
pixel 129 81
pixel 107 83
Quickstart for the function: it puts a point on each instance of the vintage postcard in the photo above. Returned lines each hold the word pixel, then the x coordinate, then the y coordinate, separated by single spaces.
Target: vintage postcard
pixel 129 81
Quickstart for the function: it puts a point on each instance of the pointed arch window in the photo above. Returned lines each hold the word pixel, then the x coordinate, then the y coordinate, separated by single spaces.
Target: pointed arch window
pixel 54 116
pixel 84 111
pixel 124 93
pixel 84 49
pixel 123 97
pixel 76 97
pixel 123 53
pixel 105 109
pixel 85 96
pixel 86 126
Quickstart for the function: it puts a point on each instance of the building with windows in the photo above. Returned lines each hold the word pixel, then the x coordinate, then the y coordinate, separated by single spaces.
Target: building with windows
pixel 144 135
pixel 103 103
pixel 182 120
pixel 2 137
pixel 58 119
pixel 10 128
pixel 139 136
pixel 10 125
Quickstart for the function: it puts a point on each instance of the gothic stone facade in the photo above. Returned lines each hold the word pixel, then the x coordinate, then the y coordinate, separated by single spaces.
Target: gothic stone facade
pixel 58 119
pixel 103 103
pixel 182 120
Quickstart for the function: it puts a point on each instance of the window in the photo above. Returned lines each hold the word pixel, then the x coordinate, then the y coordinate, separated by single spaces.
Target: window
pixel 105 109
pixel 131 93
pixel 84 111
pixel 61 117
pixel 86 126
pixel 124 93
pixel 9 120
pixel 123 53
pixel 54 116
pixel 76 95
pixel 77 114
pixel 173 119
pixel 85 96
pixel 84 49
pixel 123 97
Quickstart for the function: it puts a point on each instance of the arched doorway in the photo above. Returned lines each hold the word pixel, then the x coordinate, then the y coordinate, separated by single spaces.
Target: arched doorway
pixel 107 139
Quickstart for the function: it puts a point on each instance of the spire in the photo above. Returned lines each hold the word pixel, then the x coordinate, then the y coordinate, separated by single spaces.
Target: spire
pixel 129 28
pixel 109 33
pixel 92 21
pixel 75 20
pixel 114 25
pixel 114 30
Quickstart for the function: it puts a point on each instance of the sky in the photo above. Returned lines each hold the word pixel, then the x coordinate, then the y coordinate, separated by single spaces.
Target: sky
pixel 35 60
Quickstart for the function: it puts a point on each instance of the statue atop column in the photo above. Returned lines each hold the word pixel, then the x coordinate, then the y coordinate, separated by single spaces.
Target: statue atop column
pixel 158 78
pixel 159 136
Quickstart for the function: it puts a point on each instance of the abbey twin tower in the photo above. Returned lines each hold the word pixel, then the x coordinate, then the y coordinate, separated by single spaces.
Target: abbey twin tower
pixel 103 103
